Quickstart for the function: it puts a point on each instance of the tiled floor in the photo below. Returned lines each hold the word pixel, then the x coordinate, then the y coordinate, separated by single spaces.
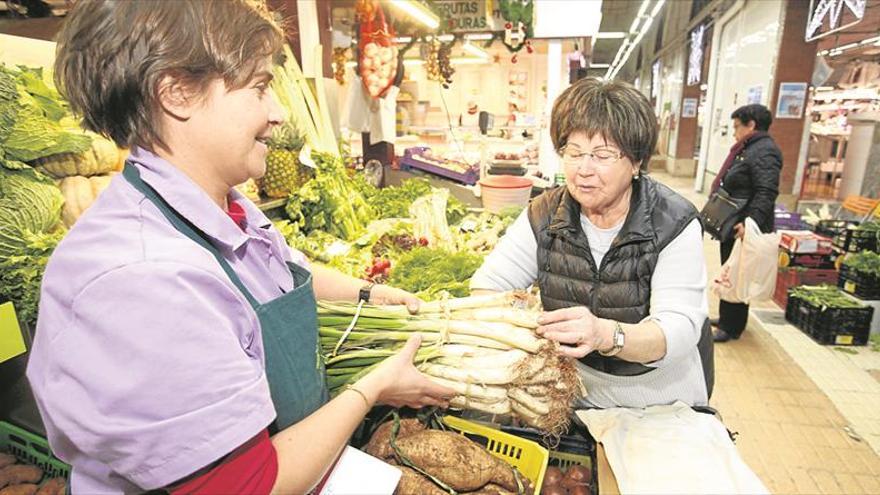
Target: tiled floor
pixel 806 414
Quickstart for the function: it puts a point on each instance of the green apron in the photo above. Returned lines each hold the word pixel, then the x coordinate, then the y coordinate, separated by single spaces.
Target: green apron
pixel 289 325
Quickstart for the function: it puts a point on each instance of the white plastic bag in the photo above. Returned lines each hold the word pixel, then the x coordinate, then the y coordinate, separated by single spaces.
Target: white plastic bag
pixel 670 449
pixel 356 113
pixel 750 272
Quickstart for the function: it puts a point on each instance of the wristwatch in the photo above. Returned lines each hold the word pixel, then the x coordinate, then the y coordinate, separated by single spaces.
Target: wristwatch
pixel 364 293
pixel 618 339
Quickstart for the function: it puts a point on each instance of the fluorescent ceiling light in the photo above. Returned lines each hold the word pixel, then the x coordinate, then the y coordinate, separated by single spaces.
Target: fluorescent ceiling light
pixel 478 36
pixel 846 47
pixel 475 50
pixel 610 35
pixel 870 40
pixel 626 49
pixel 825 88
pixel 599 66
pixel 445 38
pixel 635 24
pixel 418 12
pixel 657 8
pixel 413 61
pixel 402 39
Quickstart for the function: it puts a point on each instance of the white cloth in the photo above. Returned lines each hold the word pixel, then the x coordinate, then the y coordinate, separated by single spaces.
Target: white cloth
pixel 365 114
pixel 383 120
pixel 356 113
pixel 670 449
pixel 678 305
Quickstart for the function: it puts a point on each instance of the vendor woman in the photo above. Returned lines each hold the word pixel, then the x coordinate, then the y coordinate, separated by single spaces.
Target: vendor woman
pixel 177 344
pixel 618 257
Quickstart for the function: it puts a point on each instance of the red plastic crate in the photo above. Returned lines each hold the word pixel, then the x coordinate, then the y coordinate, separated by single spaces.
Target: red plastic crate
pixel 805 242
pixel 793 277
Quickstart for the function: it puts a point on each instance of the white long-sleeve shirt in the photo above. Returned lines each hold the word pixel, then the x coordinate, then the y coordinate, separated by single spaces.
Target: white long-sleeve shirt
pixel 678 305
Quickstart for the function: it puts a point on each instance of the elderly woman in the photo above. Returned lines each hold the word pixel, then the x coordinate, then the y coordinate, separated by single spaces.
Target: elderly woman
pixel 618 257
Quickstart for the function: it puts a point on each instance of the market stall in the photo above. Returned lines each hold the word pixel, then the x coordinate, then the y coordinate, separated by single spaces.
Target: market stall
pixel 413 235
pixel 423 219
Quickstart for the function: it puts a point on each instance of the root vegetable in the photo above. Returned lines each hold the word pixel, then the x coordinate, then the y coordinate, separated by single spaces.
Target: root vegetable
pixel 484 376
pixel 19 473
pixel 580 489
pixel 55 486
pixel 6 460
pixel 493 489
pixel 455 460
pixel 507 359
pixel 579 474
pixel 20 489
pixel 553 476
pixel 473 391
pixel 379 444
pixel 499 407
pixel 554 490
pixel 533 404
pixel 413 483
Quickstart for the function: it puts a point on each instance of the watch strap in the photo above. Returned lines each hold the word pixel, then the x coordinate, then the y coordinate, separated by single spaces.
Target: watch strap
pixel 364 293
pixel 618 339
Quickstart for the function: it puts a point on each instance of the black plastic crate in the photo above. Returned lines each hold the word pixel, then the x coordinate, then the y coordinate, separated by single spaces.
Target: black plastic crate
pixel 833 228
pixel 577 446
pixel 860 284
pixel 853 240
pixel 830 326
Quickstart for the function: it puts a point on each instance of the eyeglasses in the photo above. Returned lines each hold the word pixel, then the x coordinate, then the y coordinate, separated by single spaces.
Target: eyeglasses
pixel 601 157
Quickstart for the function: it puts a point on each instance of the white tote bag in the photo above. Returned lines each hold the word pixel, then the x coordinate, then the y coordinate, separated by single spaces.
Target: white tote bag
pixel 750 272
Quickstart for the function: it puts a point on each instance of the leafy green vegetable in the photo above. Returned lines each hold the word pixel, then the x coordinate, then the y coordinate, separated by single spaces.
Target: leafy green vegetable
pixel 394 201
pixel 329 202
pixel 22 273
pixel 30 215
pixel 864 262
pixel 32 121
pixel 824 296
pixel 427 271
pixel 30 203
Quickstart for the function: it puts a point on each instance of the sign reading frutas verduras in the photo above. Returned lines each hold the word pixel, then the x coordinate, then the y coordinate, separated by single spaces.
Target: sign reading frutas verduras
pixel 464 15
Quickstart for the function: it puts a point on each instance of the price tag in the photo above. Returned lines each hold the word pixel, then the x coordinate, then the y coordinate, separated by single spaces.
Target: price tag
pixel 849 286
pixel 11 340
pixel 843 339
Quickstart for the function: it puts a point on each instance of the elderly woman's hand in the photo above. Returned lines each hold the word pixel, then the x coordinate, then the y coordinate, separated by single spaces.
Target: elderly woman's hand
pixel 581 331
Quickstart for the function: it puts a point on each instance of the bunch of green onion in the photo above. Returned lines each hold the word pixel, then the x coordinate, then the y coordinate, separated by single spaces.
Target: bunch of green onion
pixel 481 346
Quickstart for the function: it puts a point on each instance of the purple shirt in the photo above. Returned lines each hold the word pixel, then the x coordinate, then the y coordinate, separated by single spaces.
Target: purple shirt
pixel 148 362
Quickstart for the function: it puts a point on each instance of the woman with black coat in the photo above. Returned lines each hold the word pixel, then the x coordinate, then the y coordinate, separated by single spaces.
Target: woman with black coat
pixel 751 171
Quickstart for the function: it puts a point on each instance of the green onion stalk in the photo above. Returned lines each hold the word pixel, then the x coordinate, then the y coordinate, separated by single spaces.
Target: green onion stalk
pixel 483 347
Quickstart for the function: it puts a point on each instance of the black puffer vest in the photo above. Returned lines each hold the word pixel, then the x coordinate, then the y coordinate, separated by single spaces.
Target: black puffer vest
pixel 620 289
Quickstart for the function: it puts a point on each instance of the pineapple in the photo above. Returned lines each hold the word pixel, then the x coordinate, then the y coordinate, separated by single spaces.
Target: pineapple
pixel 283 172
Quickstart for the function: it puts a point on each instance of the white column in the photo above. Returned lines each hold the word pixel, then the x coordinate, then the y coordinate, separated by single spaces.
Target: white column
pixel 548 161
pixel 858 153
pixel 309 38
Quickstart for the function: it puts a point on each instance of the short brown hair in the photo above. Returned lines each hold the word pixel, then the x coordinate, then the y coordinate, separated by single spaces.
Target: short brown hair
pixel 613 109
pixel 113 54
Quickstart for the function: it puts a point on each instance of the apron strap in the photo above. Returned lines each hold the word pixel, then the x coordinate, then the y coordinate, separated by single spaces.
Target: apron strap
pixel 131 174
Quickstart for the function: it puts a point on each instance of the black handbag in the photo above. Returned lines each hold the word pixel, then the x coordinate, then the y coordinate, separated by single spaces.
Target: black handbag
pixel 721 213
